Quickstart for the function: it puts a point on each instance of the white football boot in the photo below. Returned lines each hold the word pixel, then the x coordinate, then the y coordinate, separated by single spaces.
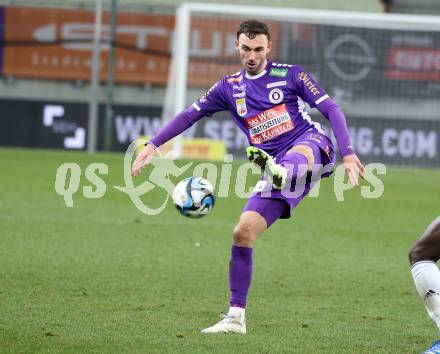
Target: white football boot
pixel 228 324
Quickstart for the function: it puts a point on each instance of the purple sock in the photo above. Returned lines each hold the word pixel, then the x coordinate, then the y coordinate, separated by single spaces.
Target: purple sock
pixel 240 275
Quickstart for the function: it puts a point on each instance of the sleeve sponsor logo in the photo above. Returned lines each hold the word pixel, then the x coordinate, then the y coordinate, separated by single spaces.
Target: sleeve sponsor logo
pixel 269 124
pixel 235 79
pixel 308 83
pixel 278 72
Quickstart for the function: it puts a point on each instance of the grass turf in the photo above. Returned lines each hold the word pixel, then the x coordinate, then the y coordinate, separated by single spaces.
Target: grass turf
pixel 102 277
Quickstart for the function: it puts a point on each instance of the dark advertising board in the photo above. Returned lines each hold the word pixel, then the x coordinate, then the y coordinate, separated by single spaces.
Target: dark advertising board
pixel 359 63
pixel 63 125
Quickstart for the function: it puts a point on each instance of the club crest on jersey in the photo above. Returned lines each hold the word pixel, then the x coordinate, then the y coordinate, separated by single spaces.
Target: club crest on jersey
pixel 276 96
pixel 241 107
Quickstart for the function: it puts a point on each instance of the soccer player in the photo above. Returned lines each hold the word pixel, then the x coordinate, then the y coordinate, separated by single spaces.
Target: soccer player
pixel 266 100
pixel 423 257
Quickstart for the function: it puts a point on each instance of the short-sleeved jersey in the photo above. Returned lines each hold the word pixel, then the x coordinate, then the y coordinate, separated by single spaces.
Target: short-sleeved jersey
pixel 269 107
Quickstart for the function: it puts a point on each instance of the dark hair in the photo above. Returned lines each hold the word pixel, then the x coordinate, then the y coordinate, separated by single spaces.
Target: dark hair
pixel 252 28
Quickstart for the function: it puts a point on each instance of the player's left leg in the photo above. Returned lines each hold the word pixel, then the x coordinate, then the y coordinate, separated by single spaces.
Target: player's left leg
pixel 289 168
pixel 310 154
pixel 423 257
pixel 276 174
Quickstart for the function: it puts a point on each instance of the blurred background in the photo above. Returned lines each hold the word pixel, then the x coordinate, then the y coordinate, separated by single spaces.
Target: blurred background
pixel 384 70
pixel 102 277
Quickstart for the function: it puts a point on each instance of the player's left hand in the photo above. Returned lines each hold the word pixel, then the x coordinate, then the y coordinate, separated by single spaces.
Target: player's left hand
pixel 353 168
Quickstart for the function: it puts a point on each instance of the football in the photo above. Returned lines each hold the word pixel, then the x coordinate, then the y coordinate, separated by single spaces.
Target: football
pixel 194 197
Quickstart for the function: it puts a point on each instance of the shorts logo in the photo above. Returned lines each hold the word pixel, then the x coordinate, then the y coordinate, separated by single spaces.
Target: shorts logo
pixel 276 96
pixel 241 107
pixel 259 187
pixel 278 72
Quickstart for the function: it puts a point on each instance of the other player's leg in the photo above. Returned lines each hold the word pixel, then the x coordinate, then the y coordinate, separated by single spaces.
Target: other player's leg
pixel 423 257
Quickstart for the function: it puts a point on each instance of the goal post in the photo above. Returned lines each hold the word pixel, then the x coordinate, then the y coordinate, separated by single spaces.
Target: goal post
pixel 175 94
pixel 378 67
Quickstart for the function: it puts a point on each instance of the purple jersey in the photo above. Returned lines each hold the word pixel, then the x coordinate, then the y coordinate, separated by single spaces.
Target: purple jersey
pixel 269 107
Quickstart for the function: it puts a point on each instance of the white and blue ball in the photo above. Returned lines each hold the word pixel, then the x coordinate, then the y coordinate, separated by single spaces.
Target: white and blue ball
pixel 194 197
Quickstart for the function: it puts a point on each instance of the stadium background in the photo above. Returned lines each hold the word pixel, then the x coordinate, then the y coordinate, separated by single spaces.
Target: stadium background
pixel 102 277
pixel 386 81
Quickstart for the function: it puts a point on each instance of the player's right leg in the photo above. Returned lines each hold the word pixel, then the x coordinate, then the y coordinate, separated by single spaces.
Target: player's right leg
pixel 423 257
pixel 257 216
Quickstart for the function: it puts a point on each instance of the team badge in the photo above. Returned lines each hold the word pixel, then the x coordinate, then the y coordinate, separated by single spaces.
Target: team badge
pixel 276 96
pixel 241 107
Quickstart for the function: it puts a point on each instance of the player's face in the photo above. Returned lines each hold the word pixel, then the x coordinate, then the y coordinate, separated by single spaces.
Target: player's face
pixel 253 52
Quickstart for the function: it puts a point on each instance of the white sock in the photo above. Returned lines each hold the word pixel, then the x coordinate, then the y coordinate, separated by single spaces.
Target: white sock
pixel 237 311
pixel 427 280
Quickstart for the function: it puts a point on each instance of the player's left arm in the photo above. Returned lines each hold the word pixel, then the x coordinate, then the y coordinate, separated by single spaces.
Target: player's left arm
pixel 316 97
pixel 353 166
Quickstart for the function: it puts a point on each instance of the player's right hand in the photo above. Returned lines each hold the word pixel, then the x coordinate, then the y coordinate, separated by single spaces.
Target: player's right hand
pixel 142 159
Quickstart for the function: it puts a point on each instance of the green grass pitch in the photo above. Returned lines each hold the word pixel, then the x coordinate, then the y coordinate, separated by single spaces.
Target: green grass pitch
pixel 103 278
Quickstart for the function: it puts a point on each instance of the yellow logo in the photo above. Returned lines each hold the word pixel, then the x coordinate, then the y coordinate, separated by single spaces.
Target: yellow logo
pixel 302 76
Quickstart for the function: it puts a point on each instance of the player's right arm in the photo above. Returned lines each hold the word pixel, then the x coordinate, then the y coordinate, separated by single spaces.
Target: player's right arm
pixel 212 101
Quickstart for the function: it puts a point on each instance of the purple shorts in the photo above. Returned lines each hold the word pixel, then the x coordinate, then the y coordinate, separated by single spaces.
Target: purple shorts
pixel 275 204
